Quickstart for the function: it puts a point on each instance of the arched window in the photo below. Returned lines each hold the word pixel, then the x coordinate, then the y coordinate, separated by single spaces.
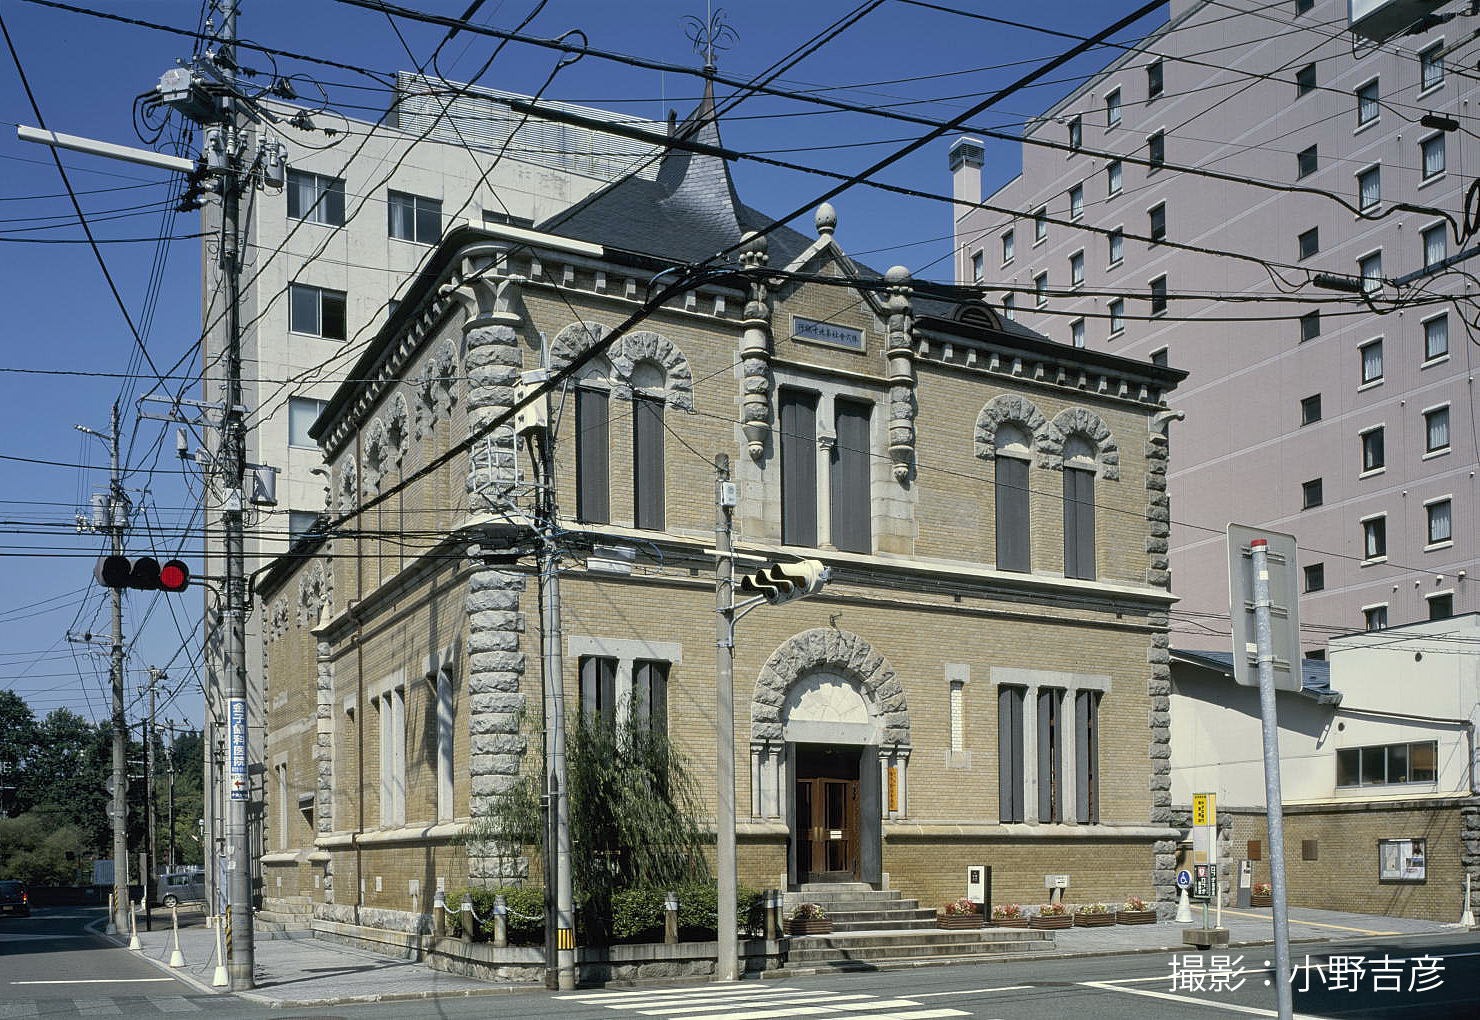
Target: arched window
pixel 593 442
pixel 1079 507
pixel 649 383
pixel 1013 445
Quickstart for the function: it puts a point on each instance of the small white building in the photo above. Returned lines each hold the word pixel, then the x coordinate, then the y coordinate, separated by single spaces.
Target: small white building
pixel 1377 765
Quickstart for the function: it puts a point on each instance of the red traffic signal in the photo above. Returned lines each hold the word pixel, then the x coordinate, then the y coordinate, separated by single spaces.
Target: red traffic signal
pixel 143 574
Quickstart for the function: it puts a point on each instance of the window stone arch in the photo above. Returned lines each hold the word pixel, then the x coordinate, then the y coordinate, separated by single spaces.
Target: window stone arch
pixel 1084 424
pixel 396 424
pixel 435 389
pixel 376 454
pixel 1009 408
pixel 625 355
pixel 349 490
pixel 831 650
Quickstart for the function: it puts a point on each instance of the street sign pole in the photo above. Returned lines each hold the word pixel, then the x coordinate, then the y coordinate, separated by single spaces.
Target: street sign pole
pixel 1274 805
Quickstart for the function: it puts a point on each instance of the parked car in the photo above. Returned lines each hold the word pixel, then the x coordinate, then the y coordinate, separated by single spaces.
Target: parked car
pixel 176 887
pixel 14 899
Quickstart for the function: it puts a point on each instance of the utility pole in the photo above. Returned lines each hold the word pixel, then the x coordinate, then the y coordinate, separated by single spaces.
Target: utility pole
pixel 726 967
pixel 113 518
pixel 150 849
pixel 170 860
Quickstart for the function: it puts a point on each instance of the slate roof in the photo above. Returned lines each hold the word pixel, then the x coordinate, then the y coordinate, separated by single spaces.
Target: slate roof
pixel 1315 674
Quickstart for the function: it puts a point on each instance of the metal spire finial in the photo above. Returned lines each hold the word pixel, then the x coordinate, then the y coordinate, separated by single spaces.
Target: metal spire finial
pixel 710 35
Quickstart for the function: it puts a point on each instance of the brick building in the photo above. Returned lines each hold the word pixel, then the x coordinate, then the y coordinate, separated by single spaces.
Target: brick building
pixel 985 677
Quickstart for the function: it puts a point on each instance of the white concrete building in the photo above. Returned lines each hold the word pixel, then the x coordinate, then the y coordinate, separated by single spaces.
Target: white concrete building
pixel 1305 411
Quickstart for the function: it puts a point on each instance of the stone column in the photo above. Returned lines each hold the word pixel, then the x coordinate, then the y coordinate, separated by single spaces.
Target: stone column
pixel 323 754
pixel 901 359
pixel 1158 657
pixel 755 353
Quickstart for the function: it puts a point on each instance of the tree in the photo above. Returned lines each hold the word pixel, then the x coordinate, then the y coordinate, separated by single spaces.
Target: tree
pixel 40 853
pixel 67 774
pixel 17 740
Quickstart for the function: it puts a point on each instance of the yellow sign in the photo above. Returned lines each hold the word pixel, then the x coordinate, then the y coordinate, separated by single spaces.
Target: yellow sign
pixel 1204 809
pixel 893 787
pixel 565 938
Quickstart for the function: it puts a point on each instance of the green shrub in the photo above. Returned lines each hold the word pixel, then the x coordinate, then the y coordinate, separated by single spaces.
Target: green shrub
pixel 526 913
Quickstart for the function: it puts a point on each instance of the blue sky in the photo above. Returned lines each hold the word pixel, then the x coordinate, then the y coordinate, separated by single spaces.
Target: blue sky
pixel 61 317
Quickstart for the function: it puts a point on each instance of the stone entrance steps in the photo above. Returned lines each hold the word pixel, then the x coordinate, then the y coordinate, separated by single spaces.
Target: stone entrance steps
pixel 876 926
pixel 285 917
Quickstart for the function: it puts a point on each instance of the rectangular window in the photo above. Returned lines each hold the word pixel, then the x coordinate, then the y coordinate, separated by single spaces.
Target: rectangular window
pixel 1441 607
pixel 1154 79
pixel 1116 245
pixel 1010 754
pixel 1435 246
pixel 1382 764
pixel 1369 188
pixel 1159 296
pixel 1374 538
pixel 852 507
pixel 1439 526
pixel 1113 177
pixel 1050 756
pixel 315 198
pixel 1007 244
pixel 1306 162
pixel 1087 757
pixel 1076 201
pixel 1009 306
pixel 1040 289
pixel 1310 409
pixel 1369 269
pixel 1431 67
pixel 1309 242
pixel 1160 358
pixel 302 413
pixel 391 708
pixel 1076 269
pixel 1076 332
pixel 798 416
pixel 1076 132
pixel 978 268
pixel 1373 456
pixel 300 523
pixel 598 688
pixel 314 311
pixel 1305 80
pixel 1301 6
pixel 1436 430
pixel 1112 108
pixel 1368 108
pixel 281 771
pixel 1436 338
pixel 648 480
pixel 593 456
pixel 1040 224
pixel 1156 151
pixel 1432 151
pixel 957 708
pixel 1371 355
pixel 1375 618
pixel 650 695
pixel 414 218
pixel 1158 222
pixel 1013 534
pixel 446 737
pixel 1079 523
pixel 1315 576
pixel 1310 325
pixel 1117 316
pixel 1311 494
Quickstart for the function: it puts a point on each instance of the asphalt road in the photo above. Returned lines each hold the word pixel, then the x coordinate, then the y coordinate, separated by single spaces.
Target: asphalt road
pixel 50 965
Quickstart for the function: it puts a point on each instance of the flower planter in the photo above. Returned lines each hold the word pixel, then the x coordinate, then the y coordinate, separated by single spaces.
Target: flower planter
pixel 1261 901
pixel 1093 920
pixel 809 926
pixel 1135 917
pixel 1009 922
pixel 958 922
pixel 1052 922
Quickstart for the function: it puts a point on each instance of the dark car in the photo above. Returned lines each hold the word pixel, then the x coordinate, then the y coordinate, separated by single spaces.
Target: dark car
pixel 14 899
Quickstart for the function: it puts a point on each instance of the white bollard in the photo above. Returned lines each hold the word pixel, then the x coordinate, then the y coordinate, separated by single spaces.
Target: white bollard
pixel 1467 919
pixel 177 958
pixel 133 927
pixel 219 979
pixel 1184 909
pixel 112 928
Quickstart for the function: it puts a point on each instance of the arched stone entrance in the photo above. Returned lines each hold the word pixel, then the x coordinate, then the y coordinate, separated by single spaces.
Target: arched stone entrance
pixel 830 744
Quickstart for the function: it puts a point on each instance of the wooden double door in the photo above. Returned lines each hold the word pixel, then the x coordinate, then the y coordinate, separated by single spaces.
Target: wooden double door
pixel 825 822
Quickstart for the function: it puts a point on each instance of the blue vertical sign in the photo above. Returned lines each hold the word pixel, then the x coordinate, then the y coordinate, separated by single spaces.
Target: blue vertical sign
pixel 236 717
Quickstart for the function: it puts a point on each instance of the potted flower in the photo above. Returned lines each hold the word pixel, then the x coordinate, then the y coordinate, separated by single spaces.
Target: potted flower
pixel 1262 895
pixel 1135 911
pixel 1093 915
pixel 1009 915
pixel 959 914
pixel 1051 915
pixel 809 919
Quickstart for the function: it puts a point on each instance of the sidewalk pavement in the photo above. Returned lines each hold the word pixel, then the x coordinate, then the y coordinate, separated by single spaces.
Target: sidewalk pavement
pixel 303 971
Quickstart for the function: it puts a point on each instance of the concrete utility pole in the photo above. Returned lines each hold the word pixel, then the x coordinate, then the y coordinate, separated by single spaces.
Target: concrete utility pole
pixel 112 517
pixel 726 967
pixel 170 859
pixel 152 851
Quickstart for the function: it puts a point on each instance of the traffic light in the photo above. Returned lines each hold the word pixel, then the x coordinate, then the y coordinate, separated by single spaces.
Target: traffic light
pixel 786 582
pixel 145 573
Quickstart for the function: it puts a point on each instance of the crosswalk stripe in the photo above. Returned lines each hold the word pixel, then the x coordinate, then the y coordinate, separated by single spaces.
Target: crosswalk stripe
pixel 849 1008
pixel 173 1004
pixel 97 1007
pixel 786 1000
pixel 614 998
